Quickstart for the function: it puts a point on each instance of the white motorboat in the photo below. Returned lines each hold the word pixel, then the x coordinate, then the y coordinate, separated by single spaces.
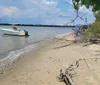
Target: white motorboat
pixel 14 32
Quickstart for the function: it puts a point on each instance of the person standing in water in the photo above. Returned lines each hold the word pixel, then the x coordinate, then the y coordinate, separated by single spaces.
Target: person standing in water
pixel 76 31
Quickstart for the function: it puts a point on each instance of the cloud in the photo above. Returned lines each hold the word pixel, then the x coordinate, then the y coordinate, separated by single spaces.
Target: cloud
pixel 9 11
pixel 48 2
pixel 40 3
pixel 83 9
pixel 44 11
pixel 40 8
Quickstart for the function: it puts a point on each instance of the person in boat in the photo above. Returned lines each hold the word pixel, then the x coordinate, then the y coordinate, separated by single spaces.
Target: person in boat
pixel 15 28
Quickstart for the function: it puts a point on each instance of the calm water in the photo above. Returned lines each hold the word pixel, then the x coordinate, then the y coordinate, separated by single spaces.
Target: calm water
pixel 13 43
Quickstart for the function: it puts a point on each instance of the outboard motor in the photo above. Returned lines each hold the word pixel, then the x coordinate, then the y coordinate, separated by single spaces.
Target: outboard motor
pixel 26 33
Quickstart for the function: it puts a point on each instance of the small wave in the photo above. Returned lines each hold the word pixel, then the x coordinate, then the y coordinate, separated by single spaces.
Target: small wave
pixel 14 54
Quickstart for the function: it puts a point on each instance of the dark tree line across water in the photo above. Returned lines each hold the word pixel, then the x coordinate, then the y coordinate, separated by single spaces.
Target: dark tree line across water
pixel 39 25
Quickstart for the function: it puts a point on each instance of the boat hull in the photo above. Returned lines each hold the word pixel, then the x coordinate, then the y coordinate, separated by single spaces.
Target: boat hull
pixel 13 32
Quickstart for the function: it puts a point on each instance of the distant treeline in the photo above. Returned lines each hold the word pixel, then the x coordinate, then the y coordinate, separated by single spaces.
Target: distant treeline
pixel 39 25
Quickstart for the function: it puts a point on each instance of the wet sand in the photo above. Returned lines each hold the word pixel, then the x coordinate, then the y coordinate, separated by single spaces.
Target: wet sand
pixel 42 67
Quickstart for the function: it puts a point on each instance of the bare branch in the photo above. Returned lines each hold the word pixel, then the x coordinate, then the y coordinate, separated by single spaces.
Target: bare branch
pixel 80 17
pixel 77 13
pixel 84 15
pixel 67 3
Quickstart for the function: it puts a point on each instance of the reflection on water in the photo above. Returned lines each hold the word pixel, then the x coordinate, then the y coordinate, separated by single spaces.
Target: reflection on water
pixel 16 41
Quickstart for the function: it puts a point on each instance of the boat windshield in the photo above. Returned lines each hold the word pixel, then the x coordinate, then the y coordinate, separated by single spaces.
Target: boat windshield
pixel 15 28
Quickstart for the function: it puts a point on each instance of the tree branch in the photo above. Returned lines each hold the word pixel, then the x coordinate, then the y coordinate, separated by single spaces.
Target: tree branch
pixel 67 3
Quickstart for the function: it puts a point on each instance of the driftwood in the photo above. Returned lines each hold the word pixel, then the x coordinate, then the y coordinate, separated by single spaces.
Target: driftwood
pixel 94 40
pixel 87 64
pixel 66 78
pixel 69 79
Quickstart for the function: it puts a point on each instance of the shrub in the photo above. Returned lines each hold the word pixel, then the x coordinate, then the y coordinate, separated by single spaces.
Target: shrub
pixel 94 30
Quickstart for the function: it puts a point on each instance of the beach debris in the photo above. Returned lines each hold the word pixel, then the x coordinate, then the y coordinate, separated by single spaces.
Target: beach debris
pixel 50 57
pixel 1 72
pixel 87 64
pixel 65 77
pixel 92 41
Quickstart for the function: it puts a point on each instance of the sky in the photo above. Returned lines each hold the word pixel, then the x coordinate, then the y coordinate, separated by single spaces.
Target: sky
pixel 56 12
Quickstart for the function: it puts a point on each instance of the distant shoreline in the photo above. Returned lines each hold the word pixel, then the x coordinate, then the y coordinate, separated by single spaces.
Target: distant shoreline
pixel 38 25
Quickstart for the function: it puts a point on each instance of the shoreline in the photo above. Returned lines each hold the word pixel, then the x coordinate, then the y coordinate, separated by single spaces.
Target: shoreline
pixel 7 63
pixel 27 57
pixel 13 55
pixel 42 66
pixel 23 62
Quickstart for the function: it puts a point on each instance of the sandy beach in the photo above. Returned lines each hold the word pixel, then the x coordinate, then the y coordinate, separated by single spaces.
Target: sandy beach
pixel 42 66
